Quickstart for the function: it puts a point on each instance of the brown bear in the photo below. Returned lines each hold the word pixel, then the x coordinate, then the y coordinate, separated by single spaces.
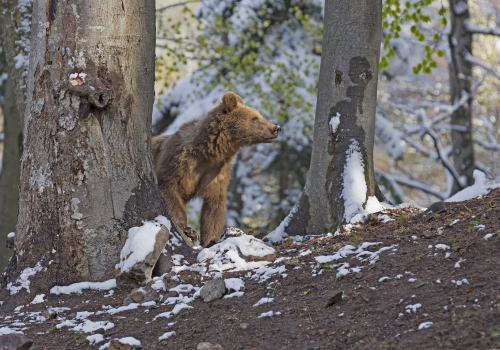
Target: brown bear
pixel 196 162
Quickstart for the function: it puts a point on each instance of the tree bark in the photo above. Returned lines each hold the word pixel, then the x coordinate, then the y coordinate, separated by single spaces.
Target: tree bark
pixel 348 90
pixel 86 173
pixel 460 41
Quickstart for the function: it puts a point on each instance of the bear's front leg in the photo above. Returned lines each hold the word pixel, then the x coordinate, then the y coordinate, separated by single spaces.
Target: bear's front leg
pixel 213 216
pixel 175 207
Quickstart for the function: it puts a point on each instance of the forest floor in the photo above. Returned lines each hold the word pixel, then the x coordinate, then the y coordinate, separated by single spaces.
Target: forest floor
pixel 432 281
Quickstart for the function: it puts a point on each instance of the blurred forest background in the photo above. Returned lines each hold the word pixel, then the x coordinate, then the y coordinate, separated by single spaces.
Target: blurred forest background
pixel 438 115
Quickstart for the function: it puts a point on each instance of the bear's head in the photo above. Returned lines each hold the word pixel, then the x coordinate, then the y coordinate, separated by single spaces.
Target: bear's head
pixel 246 125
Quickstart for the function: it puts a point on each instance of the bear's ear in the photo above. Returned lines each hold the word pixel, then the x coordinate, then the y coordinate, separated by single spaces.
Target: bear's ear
pixel 230 100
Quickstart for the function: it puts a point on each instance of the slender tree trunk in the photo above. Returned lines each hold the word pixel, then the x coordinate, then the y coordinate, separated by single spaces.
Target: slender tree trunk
pixel 86 174
pixel 347 91
pixel 460 41
pixel 15 19
pixel 9 177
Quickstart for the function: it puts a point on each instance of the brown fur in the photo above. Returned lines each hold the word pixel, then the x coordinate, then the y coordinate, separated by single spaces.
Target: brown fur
pixel 196 161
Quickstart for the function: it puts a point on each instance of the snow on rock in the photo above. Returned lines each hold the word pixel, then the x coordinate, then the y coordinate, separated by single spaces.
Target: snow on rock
pixel 442 246
pixel 142 249
pixel 264 273
pixel 237 253
pixel 481 187
pixel 23 280
pixel 78 287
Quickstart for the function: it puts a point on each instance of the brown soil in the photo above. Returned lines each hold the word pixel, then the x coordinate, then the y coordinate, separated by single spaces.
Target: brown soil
pixel 372 313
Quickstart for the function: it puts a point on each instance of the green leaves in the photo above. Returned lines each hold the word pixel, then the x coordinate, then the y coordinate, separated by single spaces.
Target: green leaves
pixel 393 15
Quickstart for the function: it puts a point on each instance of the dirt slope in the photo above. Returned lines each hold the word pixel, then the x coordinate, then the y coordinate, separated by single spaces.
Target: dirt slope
pixel 446 284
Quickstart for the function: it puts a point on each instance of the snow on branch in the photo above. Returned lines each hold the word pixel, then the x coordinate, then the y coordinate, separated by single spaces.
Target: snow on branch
pixel 473 29
pixel 444 159
pixel 467 56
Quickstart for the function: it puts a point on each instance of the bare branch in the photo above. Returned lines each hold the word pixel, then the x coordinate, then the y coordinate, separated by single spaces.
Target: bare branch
pixel 175 5
pixel 419 186
pixel 444 160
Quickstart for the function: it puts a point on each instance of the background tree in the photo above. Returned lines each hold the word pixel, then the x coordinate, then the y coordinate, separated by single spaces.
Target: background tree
pixel 341 176
pixel 87 173
pixel 415 41
pixel 15 19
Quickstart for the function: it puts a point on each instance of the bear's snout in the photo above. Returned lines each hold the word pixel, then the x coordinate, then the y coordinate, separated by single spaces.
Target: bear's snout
pixel 277 129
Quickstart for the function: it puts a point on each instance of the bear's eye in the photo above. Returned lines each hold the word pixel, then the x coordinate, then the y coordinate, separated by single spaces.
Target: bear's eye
pixel 255 119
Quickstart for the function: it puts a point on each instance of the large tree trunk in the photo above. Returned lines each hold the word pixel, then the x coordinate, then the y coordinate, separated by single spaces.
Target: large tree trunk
pixel 460 41
pixel 86 174
pixel 348 90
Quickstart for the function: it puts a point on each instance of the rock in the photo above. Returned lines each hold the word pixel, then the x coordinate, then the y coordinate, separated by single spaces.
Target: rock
pixel 336 298
pixel 213 290
pixel 427 234
pixel 290 264
pixel 208 346
pixel 243 325
pixel 128 300
pixel 170 280
pixel 163 265
pixel 49 314
pixel 15 341
pixel 116 345
pixel 436 208
pixel 366 297
pixel 141 272
pixel 232 232
pixel 143 294
pixel 287 243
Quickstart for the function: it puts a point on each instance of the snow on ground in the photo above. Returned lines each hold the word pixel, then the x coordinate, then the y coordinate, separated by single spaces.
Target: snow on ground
pixel 78 287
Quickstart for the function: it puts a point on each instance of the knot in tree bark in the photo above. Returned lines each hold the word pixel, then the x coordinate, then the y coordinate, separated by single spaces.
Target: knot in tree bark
pixel 90 88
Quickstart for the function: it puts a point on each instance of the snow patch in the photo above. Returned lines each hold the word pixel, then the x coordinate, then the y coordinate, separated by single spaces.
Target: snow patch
pixel 481 187
pixel 78 287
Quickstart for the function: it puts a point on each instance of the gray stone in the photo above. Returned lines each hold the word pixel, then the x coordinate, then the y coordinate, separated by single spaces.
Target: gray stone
pixel 10 242
pixel 336 298
pixel 128 300
pixel 163 265
pixel 208 346
pixel 171 280
pixel 243 325
pixel 15 341
pixel 143 295
pixel 141 272
pixel 213 290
